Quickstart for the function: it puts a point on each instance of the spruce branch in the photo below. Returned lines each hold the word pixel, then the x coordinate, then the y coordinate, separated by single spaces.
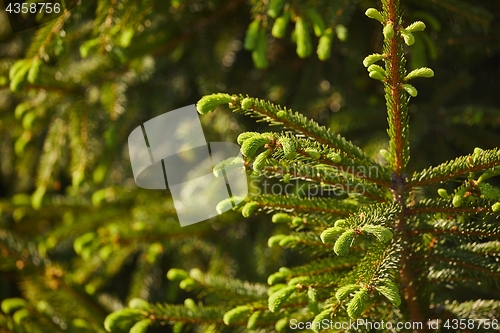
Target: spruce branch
pixel 321 174
pixel 479 309
pixel 44 36
pixel 308 242
pixel 459 167
pixel 474 205
pixel 376 214
pixel 219 287
pixel 486 248
pixel 304 205
pixel 287 147
pixel 379 264
pixel 470 230
pixel 321 266
pixel 278 116
pixel 55 286
pixel 465 265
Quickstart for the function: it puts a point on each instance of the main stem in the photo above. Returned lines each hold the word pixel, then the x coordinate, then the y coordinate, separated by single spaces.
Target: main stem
pixel 398 130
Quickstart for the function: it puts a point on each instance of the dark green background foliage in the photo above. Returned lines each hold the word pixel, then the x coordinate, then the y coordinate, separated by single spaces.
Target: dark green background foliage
pixel 79 240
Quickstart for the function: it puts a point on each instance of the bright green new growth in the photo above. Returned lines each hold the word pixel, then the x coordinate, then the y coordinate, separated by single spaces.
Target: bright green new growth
pixel 141 326
pixel 325 45
pixel 281 218
pixel 177 274
pixel 390 290
pixel 289 148
pixel 123 319
pixel 304 43
pixel 210 103
pixel 377 75
pixel 252 144
pixel 443 193
pixel 344 242
pixel 252 35
pixel 253 320
pixel 313 153
pixel 334 157
pixel 345 291
pixel 260 160
pixel 341 223
pixel 236 314
pixel 312 300
pixel 279 297
pixel 11 305
pixel 408 37
pixel 137 303
pixel 275 240
pixel 316 20
pixel 411 90
pixel 374 14
pixel 224 205
pixel 416 26
pixel 275 7
pixel 420 72
pixel 329 236
pixel 382 233
pixel 325 314
pixel 280 25
pixel 249 208
pixel 388 31
pixel 357 304
pixel 373 58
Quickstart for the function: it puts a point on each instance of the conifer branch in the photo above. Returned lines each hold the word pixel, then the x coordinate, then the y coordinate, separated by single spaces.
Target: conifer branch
pixel 288 148
pixel 225 288
pixel 459 167
pixel 161 237
pixel 44 36
pixel 142 278
pixel 177 313
pixel 479 309
pixel 278 116
pixel 471 228
pixel 320 175
pixel 324 265
pixel 307 241
pixel 448 210
pixel 455 231
pixel 317 205
pixel 33 261
pixel 484 267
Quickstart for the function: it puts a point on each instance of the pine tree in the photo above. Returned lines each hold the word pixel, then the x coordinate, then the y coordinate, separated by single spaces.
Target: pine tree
pixel 377 242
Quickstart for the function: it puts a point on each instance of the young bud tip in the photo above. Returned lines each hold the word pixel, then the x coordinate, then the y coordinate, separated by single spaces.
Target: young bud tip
pixel 372 58
pixel 374 14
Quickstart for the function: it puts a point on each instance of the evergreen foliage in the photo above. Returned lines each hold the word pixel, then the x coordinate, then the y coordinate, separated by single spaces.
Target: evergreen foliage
pixel 83 250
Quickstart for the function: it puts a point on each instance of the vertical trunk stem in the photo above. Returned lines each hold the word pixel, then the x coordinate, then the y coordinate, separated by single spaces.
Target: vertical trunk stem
pixel 397 106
